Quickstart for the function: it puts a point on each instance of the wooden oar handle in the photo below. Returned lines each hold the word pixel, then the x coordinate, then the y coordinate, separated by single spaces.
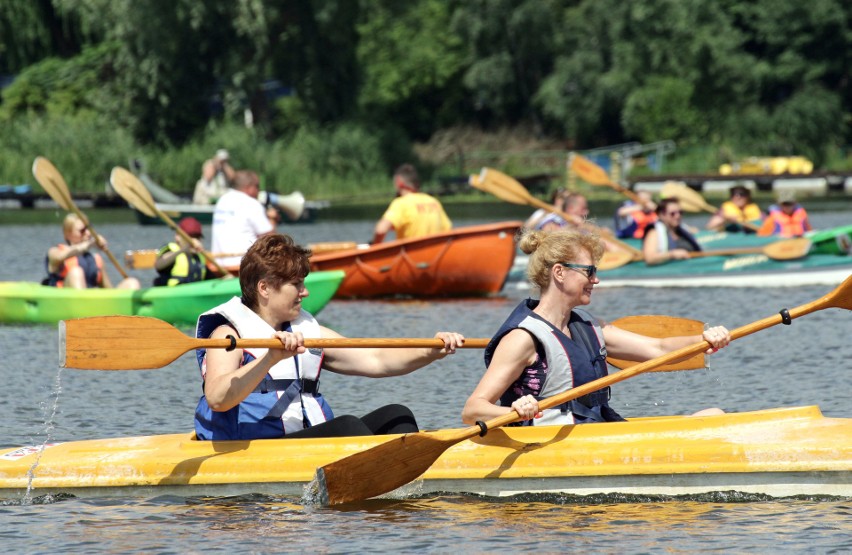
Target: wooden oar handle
pixel 342 342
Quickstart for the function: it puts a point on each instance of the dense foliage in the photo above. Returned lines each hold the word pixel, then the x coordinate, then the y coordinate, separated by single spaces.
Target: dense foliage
pixel 329 94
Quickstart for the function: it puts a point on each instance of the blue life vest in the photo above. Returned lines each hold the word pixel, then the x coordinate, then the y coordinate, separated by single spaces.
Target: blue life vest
pixel 563 363
pixel 288 398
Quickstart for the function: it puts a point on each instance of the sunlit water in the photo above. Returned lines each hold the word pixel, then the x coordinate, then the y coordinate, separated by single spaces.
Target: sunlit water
pixel 803 364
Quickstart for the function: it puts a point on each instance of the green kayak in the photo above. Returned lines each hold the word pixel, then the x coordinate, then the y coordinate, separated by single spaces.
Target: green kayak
pixel 31 303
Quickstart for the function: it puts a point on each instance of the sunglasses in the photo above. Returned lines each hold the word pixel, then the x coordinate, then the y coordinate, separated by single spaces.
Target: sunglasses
pixel 675 213
pixel 590 270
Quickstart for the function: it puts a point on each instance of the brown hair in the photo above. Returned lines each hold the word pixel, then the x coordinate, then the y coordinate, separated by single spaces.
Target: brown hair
pixel 408 174
pixel 245 178
pixel 547 248
pixel 275 258
pixel 664 205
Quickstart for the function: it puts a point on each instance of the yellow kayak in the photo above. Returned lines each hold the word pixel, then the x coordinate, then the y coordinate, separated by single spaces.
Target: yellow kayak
pixel 776 452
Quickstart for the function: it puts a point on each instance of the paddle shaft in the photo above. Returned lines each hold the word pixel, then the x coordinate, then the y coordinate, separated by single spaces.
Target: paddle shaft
pixel 59 192
pixel 339 343
pixel 133 182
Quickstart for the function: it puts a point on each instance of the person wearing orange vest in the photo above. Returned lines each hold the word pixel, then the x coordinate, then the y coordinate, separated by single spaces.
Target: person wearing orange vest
pixel 72 265
pixel 737 213
pixel 787 218
pixel 633 218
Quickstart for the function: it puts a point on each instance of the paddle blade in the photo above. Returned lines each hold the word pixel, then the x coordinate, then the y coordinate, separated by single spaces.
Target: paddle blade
pixel 53 183
pixel 501 186
pixel 380 469
pixel 120 343
pixel 690 199
pixel 662 326
pixel 614 259
pixel 589 171
pixel 133 191
pixel 790 249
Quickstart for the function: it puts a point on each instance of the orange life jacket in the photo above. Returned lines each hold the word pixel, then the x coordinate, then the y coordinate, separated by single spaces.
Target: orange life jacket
pixel 94 272
pixel 642 221
pixel 779 223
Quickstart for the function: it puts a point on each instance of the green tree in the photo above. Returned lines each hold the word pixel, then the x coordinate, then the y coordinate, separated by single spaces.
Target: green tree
pixel 410 62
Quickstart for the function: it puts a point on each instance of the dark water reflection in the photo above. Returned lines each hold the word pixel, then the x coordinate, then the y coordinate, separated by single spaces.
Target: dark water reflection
pixel 803 364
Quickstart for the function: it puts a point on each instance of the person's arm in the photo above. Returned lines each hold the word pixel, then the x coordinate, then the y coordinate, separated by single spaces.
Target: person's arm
pixel 515 352
pixel 650 249
pixel 166 260
pixel 652 253
pixel 767 228
pixel 226 383
pixel 627 345
pixel 383 363
pixel 56 256
pixel 383 227
pixel 228 170
pixel 717 221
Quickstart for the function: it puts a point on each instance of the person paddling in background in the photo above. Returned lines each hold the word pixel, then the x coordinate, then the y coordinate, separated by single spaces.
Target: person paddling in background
pixel 550 345
pixel 412 213
pixel 73 265
pixel 787 218
pixel 668 239
pixel 557 201
pixel 217 175
pixel 239 219
pixel 574 204
pixel 272 393
pixel 180 261
pixel 633 218
pixel 739 209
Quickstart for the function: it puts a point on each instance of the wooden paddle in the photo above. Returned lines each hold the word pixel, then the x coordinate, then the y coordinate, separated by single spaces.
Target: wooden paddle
pixel 52 181
pixel 134 192
pixel 788 249
pixel 147 258
pixel 661 326
pixel 593 174
pixel 141 342
pixel 144 259
pixel 510 189
pixel 396 462
pixel 692 201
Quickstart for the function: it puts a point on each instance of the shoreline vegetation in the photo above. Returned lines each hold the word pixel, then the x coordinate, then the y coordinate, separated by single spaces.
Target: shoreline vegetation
pixel 329 97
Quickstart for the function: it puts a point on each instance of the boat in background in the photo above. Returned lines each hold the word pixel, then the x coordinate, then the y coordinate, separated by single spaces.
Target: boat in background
pixel 32 303
pixel 776 452
pixel 466 261
pixel 829 262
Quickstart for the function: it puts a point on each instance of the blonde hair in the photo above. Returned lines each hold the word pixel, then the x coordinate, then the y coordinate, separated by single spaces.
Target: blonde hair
pixel 547 248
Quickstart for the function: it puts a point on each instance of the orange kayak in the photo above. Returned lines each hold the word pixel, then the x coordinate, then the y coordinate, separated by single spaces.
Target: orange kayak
pixel 473 260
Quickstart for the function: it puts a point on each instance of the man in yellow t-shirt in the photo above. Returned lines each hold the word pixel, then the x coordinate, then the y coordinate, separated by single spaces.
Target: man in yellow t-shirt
pixel 412 213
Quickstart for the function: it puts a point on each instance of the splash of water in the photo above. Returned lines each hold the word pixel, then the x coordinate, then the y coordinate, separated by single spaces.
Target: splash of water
pixel 49 409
